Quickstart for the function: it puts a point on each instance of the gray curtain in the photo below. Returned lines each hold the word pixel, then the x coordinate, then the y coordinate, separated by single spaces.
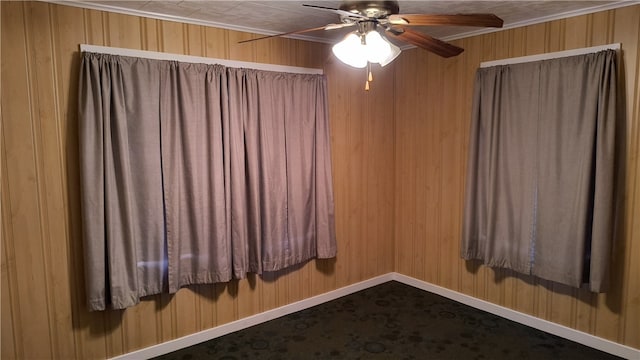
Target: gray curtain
pixel 195 173
pixel 539 192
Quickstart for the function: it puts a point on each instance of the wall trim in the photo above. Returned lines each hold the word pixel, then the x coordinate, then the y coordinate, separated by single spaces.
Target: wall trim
pixel 84 4
pixel 522 318
pixel 193 339
pixel 185 19
pixel 543 19
pixel 580 337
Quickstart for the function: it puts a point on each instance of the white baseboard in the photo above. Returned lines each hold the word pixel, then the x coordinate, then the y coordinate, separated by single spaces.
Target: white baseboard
pixel 525 319
pixel 193 339
pixel 540 324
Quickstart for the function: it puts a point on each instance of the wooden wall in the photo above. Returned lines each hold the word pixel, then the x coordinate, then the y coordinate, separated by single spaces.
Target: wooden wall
pixel 399 154
pixel 42 295
pixel 433 102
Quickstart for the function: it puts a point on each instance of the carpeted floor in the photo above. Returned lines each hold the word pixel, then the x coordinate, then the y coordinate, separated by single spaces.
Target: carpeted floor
pixel 389 321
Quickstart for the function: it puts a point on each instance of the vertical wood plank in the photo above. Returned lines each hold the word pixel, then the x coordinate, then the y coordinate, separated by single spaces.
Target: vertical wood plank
pixel 434 196
pixel 10 326
pixel 216 42
pixel 405 217
pixel 535 39
pixel 123 31
pixel 172 37
pixel 165 309
pixel 237 51
pixel 576 32
pixel 382 169
pixel 626 30
pixel 226 310
pixel 357 181
pixel 69 30
pixel 424 199
pixel 94 27
pixel 453 175
pixel 49 166
pixel 23 177
pixel 195 40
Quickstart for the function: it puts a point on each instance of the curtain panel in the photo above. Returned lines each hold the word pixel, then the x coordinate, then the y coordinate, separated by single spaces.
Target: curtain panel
pixel 539 192
pixel 195 173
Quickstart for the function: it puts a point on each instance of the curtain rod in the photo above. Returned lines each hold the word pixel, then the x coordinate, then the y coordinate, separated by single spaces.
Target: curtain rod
pixel 552 55
pixel 196 59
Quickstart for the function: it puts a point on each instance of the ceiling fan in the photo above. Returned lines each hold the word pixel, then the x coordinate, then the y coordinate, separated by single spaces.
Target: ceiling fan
pixel 384 15
pixel 376 20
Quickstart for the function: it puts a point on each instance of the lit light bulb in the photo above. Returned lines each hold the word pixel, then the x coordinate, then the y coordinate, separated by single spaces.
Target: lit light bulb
pixel 377 49
pixel 351 51
pixel 393 53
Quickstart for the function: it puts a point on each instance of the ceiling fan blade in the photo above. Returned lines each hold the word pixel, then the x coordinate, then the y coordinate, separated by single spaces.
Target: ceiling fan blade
pixel 484 20
pixel 424 41
pixel 338 26
pixel 289 33
pixel 337 11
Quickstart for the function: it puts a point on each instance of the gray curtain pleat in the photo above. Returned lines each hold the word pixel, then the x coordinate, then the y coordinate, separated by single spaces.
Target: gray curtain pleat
pixel 539 192
pixel 575 174
pixel 194 114
pixel 500 187
pixel 196 173
pixel 121 180
pixel 277 176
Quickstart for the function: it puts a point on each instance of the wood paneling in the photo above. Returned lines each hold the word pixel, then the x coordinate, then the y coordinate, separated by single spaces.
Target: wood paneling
pixel 43 305
pixel 433 100
pixel 399 155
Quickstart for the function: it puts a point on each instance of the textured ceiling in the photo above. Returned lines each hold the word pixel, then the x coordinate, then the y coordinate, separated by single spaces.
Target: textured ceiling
pixel 272 17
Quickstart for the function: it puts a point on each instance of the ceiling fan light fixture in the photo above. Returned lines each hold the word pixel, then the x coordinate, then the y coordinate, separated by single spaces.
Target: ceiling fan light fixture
pixel 394 51
pixel 351 50
pixel 357 50
pixel 376 47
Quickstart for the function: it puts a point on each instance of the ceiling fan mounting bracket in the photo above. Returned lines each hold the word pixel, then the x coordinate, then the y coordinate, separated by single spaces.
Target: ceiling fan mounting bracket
pixel 364 26
pixel 371 9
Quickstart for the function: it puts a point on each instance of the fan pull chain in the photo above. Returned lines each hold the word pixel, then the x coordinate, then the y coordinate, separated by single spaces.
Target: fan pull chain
pixel 366 83
pixel 369 77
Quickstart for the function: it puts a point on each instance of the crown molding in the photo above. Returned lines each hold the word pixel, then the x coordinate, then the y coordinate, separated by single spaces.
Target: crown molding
pixel 543 19
pixel 181 19
pixel 184 19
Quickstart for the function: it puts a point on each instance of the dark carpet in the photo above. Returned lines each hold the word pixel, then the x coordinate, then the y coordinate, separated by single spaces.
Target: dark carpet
pixel 389 321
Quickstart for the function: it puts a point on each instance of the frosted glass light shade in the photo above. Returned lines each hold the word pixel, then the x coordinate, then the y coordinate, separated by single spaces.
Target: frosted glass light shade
pixel 351 51
pixel 393 53
pixel 376 49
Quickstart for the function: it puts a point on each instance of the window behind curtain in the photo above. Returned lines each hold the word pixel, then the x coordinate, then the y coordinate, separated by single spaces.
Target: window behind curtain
pixel 195 173
pixel 539 193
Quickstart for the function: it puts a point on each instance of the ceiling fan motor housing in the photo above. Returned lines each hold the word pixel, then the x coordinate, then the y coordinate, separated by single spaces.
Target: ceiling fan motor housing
pixel 371 9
